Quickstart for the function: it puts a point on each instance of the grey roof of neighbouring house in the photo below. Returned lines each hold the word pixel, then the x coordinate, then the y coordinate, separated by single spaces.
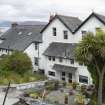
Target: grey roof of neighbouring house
pixel 100 17
pixel 59 67
pixel 72 23
pixel 15 41
pixel 64 50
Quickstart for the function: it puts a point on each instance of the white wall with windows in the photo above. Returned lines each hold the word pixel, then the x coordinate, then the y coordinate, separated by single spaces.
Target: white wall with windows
pixel 32 52
pixel 58 28
pixel 90 26
pixel 57 32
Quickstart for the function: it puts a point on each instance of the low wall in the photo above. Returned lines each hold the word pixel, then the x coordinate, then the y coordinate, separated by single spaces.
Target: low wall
pixel 23 86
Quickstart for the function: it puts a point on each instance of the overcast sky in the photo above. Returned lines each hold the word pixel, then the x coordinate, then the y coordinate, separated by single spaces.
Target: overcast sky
pixel 17 10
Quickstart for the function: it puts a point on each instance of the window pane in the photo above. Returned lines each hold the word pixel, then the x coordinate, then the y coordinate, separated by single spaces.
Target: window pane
pixel 53 58
pixel 36 61
pixel 83 33
pixel 63 73
pixel 60 59
pixel 63 78
pixel 51 73
pixel 49 58
pixel 36 46
pixel 70 75
pixel 65 34
pixel 54 31
pixel 72 61
pixel 83 79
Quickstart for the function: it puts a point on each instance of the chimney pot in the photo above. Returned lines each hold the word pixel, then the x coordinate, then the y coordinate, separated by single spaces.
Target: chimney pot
pixel 14 24
pixel 51 17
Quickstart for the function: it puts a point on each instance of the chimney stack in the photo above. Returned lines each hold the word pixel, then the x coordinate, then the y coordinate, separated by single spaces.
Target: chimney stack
pixel 51 16
pixel 14 24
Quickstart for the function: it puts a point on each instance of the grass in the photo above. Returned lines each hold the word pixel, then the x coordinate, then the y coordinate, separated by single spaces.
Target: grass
pixel 18 79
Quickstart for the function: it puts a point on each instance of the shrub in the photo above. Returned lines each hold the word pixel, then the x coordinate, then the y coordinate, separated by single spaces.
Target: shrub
pixel 74 85
pixel 18 62
pixel 80 99
pixel 52 85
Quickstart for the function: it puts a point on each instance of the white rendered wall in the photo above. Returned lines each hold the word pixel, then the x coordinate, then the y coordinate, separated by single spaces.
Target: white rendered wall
pixel 72 38
pixel 32 53
pixel 49 38
pixel 91 26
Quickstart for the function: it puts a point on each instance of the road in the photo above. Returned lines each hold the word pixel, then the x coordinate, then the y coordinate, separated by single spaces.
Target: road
pixel 9 101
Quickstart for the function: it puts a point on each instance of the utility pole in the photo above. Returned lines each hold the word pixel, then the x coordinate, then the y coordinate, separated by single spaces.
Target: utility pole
pixel 38 57
pixel 7 87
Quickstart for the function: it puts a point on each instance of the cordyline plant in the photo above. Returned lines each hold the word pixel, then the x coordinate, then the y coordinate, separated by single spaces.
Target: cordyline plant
pixel 91 52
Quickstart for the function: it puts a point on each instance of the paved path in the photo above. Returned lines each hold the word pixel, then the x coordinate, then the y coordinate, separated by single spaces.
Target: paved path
pixel 10 99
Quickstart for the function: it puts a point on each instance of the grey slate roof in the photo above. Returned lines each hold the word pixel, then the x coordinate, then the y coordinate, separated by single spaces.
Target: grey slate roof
pixel 58 67
pixel 32 23
pixel 72 23
pixel 100 17
pixel 14 41
pixel 64 50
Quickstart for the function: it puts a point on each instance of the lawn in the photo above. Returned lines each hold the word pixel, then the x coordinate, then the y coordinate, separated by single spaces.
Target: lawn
pixel 15 78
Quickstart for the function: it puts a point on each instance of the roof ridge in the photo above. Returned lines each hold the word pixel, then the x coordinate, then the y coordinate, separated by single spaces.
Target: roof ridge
pixel 98 14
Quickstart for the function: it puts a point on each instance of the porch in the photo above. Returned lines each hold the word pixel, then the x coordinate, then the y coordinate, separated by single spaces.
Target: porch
pixel 65 73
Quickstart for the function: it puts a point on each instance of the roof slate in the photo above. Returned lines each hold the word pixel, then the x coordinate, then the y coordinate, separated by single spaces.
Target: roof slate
pixel 58 67
pixel 70 22
pixel 64 50
pixel 100 17
pixel 15 41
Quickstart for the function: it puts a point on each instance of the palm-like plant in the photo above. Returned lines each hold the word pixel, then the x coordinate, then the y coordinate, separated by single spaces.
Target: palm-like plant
pixel 91 52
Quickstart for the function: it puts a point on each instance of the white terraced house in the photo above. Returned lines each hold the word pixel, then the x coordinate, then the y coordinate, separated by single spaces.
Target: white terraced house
pixel 51 46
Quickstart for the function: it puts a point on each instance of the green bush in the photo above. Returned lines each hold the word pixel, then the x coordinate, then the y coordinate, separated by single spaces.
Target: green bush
pixel 15 78
pixel 52 85
pixel 74 85
pixel 18 62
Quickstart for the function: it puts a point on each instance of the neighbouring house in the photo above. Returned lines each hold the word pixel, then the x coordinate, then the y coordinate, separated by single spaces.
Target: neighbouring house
pixel 51 46
pixel 23 38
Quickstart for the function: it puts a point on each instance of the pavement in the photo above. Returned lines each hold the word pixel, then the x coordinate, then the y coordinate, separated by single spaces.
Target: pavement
pixel 9 100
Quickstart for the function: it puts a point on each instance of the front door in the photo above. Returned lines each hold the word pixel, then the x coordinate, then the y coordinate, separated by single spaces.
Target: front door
pixel 70 77
pixel 63 74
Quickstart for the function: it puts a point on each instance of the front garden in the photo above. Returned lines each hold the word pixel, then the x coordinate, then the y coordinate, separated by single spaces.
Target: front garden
pixel 17 68
pixel 15 78
pixel 57 93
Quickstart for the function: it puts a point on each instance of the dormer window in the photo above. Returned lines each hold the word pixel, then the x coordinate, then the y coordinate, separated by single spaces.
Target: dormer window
pixel 54 31
pixel 84 33
pixel 30 33
pixel 65 34
pixel 19 33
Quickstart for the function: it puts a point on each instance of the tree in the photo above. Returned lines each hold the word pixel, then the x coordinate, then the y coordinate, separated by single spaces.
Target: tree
pixel 17 62
pixel 91 52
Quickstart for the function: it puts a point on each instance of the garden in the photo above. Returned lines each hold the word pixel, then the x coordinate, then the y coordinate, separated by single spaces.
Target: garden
pixel 59 92
pixel 17 68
